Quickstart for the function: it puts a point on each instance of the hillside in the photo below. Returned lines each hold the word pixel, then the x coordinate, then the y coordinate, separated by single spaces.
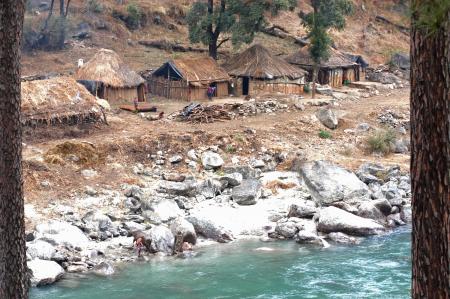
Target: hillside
pixel 103 23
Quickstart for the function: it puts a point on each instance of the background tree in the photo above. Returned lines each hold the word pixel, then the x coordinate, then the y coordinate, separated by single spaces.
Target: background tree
pixel 239 20
pixel 327 14
pixel 13 270
pixel 430 141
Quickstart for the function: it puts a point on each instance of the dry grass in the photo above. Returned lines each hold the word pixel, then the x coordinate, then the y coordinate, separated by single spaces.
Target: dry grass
pixel 80 153
pixel 277 184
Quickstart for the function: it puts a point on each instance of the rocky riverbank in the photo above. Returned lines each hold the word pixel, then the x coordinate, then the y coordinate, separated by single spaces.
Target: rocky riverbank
pixel 317 202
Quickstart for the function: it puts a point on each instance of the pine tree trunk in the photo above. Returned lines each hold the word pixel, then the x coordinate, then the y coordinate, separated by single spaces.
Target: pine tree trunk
pixel 13 270
pixel 430 164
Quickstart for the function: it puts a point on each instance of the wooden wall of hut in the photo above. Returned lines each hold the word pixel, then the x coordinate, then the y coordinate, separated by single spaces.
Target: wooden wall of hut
pixel 179 90
pixel 168 88
pixel 350 75
pixel 269 86
pixel 120 95
pixel 332 77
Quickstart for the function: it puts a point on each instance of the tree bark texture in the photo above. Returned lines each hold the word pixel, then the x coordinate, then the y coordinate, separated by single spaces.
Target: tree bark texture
pixel 13 270
pixel 430 161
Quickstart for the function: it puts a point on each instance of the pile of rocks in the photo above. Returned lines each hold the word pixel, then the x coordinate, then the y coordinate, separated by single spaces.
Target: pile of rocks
pixel 259 107
pixel 394 120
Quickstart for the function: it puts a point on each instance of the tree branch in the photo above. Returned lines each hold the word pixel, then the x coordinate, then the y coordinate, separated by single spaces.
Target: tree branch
pixel 67 8
pixel 222 42
pixel 50 13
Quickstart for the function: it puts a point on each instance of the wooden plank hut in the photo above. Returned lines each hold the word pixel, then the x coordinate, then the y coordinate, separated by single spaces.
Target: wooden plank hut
pixel 188 79
pixel 57 100
pixel 337 70
pixel 256 70
pixel 114 81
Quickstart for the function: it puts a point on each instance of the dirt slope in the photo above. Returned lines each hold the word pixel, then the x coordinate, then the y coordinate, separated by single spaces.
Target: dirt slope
pixel 165 20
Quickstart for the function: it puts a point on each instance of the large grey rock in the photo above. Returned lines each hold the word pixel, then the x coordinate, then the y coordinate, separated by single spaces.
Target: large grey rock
pixel 342 238
pixel 287 228
pixel 332 219
pixel 39 249
pixel 211 160
pixel 232 179
pixel 327 117
pixel 330 183
pixel 206 224
pixel 96 221
pixel 211 188
pixel 247 193
pixel 303 209
pixel 104 269
pixel 44 272
pixel 186 188
pixel 401 60
pixel 162 209
pixel 374 169
pixel 246 171
pixel 60 233
pixel 180 227
pixel 383 205
pixel 369 210
pixel 406 214
pixel 160 239
pixel 308 233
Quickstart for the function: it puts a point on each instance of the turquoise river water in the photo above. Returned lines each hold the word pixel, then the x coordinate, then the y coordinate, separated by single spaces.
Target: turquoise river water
pixel 377 268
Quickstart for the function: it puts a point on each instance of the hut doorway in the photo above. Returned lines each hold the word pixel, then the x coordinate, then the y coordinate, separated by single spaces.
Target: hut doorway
pixel 245 86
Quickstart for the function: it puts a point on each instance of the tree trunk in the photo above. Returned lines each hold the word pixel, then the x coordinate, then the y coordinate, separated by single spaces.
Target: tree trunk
pixel 314 79
pixel 62 25
pixel 13 270
pixel 430 161
pixel 213 49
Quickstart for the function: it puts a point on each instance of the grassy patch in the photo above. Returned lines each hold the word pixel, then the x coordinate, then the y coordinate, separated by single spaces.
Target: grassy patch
pixel 325 134
pixel 381 141
pixel 230 149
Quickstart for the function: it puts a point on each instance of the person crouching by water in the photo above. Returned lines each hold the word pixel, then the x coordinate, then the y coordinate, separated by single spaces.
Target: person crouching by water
pixel 139 241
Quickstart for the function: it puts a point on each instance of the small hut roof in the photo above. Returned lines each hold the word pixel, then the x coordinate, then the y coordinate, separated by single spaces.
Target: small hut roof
pixel 106 66
pixel 200 70
pixel 258 62
pixel 56 98
pixel 336 60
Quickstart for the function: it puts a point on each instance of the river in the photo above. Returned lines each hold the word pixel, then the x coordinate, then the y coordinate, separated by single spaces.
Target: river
pixel 380 267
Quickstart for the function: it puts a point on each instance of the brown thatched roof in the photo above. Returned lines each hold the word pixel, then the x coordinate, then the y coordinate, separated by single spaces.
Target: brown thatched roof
pixel 304 59
pixel 258 62
pixel 56 98
pixel 106 66
pixel 202 70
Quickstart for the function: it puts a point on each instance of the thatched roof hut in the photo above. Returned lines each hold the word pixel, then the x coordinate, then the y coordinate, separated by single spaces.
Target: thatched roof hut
pixel 258 63
pixel 189 78
pixel 106 66
pixel 57 100
pixel 118 81
pixel 304 59
pixel 203 70
pixel 257 71
pixel 336 71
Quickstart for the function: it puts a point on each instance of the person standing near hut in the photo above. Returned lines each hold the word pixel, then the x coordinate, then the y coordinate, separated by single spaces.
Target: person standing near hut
pixel 210 92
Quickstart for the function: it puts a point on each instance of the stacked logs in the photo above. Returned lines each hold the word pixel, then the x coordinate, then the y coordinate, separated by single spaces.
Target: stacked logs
pixel 207 114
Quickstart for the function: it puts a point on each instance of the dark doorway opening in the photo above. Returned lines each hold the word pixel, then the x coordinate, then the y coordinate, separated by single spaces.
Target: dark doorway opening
pixel 245 86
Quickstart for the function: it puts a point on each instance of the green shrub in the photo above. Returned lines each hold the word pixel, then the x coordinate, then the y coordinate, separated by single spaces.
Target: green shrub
pixel 134 16
pixel 325 134
pixel 94 6
pixel 381 141
pixel 230 149
pixel 307 88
